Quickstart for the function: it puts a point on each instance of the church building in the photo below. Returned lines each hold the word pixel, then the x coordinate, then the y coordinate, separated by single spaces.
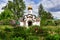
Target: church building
pixel 29 19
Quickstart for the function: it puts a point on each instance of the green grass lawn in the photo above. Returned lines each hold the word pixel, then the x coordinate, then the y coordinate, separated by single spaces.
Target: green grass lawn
pixel 2 27
pixel 51 29
pixel 47 27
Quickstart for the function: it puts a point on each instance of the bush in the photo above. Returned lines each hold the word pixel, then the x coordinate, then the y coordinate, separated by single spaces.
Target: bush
pixel 36 30
pixel 32 38
pixel 12 22
pixel 52 37
pixel 49 22
pixel 6 34
pixel 6 22
pixel 20 32
pixel 18 38
pixel 2 35
pixel 8 29
pixel 32 33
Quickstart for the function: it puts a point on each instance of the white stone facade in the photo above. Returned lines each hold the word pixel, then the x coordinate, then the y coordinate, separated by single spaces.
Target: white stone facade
pixel 29 19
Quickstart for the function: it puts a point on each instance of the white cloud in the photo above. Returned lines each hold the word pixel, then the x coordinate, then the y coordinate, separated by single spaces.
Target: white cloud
pixel 34 6
pixel 56 14
pixel 2 5
pixel 48 4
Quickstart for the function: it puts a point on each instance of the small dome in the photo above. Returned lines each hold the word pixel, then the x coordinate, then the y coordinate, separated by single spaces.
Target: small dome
pixel 30 7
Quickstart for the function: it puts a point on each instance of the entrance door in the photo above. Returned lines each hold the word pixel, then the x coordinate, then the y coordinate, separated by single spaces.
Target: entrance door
pixel 29 23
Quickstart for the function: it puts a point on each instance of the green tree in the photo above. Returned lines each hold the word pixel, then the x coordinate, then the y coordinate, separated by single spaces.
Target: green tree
pixel 6 14
pixel 44 15
pixel 16 7
pixel 40 10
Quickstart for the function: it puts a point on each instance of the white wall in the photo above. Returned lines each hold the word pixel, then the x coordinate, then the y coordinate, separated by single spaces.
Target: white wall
pixel 21 23
pixel 36 23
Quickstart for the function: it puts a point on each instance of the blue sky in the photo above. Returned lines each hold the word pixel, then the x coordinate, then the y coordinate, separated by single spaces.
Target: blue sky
pixel 2 1
pixel 36 1
pixel 49 5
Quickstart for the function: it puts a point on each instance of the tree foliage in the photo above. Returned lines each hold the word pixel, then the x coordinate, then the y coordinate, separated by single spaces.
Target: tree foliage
pixel 44 15
pixel 7 14
pixel 16 7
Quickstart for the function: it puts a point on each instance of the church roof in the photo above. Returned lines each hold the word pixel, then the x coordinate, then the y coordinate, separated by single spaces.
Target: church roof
pixel 21 19
pixel 38 19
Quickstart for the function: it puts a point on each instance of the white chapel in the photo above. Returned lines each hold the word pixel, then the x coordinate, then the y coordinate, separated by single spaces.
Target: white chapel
pixel 29 19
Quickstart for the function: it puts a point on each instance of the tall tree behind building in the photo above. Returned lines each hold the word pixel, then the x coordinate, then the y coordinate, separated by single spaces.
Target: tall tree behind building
pixel 17 7
pixel 44 15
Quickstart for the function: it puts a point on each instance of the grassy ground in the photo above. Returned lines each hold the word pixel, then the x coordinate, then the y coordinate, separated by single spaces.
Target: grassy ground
pixel 2 27
pixel 48 28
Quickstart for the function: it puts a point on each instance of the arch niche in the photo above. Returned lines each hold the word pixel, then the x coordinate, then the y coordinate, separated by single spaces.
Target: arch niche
pixel 29 23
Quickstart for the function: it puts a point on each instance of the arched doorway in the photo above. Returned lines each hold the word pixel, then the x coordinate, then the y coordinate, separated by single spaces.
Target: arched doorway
pixel 29 23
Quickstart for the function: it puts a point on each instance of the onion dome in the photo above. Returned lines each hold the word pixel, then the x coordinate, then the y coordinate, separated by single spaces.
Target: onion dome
pixel 30 7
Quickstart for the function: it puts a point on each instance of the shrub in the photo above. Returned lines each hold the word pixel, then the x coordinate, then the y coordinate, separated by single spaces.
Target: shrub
pixel 8 29
pixel 2 35
pixel 20 32
pixel 49 22
pixel 6 22
pixel 32 38
pixel 12 22
pixel 18 38
pixel 6 34
pixel 52 37
pixel 36 30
